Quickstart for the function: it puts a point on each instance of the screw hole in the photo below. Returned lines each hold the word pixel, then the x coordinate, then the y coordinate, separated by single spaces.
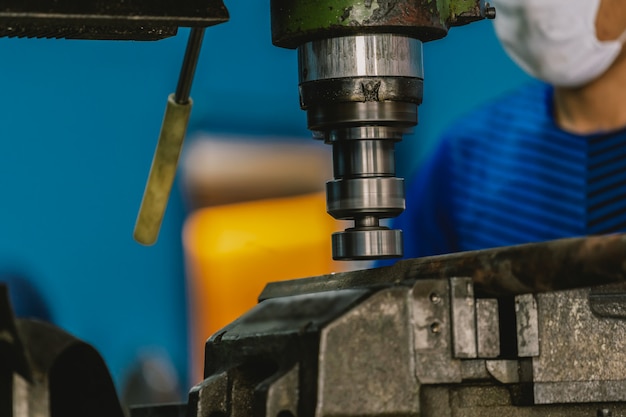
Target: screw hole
pixel 435 327
pixel 435 298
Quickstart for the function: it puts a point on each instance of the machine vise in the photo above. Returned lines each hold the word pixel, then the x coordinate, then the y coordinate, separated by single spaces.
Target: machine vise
pixel 507 332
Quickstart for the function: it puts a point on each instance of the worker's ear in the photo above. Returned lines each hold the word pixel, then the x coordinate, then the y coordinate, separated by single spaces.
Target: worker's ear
pixel 611 21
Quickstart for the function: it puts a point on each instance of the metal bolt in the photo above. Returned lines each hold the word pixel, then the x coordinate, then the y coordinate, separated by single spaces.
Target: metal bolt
pixel 490 11
pixel 604 412
pixel 435 298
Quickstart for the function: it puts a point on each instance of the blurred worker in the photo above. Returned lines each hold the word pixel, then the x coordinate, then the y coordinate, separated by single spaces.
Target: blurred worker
pixel 544 162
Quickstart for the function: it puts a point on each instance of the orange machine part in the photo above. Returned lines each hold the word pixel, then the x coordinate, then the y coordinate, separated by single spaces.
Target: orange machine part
pixel 232 251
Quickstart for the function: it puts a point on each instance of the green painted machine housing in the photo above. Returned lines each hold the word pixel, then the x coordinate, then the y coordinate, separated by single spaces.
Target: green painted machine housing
pixel 295 22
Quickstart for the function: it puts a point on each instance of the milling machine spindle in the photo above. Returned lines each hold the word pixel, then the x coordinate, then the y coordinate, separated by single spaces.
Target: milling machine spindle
pixel 361 78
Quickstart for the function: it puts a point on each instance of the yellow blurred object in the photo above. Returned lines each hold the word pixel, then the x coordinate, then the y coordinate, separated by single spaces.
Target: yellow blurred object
pixel 233 250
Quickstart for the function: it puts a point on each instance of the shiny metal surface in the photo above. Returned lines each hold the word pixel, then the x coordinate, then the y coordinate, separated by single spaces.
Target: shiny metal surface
pixel 355 197
pixel 365 190
pixel 354 244
pixel 361 95
pixel 364 158
pixel 377 113
pixel 366 55
pixel 363 133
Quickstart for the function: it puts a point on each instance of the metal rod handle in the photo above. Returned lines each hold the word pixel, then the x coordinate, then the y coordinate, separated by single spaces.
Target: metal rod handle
pixel 169 147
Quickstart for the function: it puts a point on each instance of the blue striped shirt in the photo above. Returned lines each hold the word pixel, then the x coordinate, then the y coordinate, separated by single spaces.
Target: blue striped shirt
pixel 506 174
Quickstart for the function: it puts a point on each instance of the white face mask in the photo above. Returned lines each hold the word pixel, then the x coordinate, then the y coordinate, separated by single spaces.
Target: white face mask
pixel 555 40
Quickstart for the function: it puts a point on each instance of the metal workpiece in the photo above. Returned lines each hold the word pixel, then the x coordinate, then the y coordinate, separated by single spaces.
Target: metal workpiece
pixel 110 20
pixel 295 22
pixel 530 268
pixel 535 267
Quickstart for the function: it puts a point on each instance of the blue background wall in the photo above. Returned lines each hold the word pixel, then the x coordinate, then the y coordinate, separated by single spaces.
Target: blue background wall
pixel 78 125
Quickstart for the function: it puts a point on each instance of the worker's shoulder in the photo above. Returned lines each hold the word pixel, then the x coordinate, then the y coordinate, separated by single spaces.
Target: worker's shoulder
pixel 523 108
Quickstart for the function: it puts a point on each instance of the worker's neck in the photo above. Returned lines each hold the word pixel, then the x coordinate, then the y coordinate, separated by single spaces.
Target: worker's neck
pixel 597 107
